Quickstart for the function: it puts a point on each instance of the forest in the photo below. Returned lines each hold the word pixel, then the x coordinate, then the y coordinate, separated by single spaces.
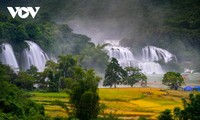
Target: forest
pixel 169 24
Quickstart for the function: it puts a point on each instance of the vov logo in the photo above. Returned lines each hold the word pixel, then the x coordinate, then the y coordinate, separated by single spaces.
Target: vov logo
pixel 23 12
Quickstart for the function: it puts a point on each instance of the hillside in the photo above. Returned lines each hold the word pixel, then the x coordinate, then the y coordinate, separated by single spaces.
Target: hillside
pixel 169 24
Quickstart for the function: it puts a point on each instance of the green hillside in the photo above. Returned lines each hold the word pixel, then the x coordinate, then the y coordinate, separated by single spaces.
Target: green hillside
pixel 169 24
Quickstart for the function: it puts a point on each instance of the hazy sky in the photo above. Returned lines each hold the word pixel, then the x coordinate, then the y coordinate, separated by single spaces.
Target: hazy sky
pixel 112 19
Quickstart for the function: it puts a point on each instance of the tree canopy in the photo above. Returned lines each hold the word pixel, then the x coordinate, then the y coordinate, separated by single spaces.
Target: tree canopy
pixel 135 75
pixel 190 111
pixel 173 79
pixel 84 96
pixel 113 73
pixel 15 104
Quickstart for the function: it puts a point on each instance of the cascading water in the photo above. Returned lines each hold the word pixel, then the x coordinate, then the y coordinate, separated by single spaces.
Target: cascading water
pixel 122 54
pixel 150 67
pixel 150 54
pixel 35 56
pixel 8 57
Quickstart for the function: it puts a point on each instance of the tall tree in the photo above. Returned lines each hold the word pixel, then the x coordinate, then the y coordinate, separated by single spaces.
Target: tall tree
pixel 25 81
pixel 66 65
pixel 95 57
pixel 114 73
pixel 84 96
pixel 58 74
pixel 52 74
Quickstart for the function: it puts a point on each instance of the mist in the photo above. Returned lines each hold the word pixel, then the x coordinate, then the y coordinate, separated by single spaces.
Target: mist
pixel 104 19
pixel 113 19
pixel 141 22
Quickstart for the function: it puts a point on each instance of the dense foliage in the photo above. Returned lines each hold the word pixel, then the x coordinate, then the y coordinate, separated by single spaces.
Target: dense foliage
pixel 14 103
pixel 173 79
pixel 134 75
pixel 190 110
pixel 81 84
pixel 84 95
pixel 95 57
pixel 170 24
pixel 49 36
pixel 165 115
pixel 16 31
pixel 115 74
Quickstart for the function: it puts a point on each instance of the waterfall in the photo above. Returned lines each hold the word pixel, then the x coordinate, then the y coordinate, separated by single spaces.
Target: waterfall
pixel 8 57
pixel 120 53
pixel 150 67
pixel 35 56
pixel 150 54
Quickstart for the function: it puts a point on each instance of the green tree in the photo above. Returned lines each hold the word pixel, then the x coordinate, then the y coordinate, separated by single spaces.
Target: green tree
pixel 67 65
pixel 51 74
pixel 173 79
pixel 33 30
pixel 60 75
pixel 134 75
pixel 7 74
pixel 191 109
pixel 95 57
pixel 25 81
pixel 84 96
pixel 32 71
pixel 65 83
pixel 166 115
pixel 114 73
pixel 14 104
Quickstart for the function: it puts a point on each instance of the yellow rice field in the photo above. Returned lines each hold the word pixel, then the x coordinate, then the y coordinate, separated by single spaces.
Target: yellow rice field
pixel 125 103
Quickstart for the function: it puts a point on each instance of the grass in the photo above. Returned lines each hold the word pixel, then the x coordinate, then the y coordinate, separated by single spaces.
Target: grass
pixel 53 95
pixel 126 103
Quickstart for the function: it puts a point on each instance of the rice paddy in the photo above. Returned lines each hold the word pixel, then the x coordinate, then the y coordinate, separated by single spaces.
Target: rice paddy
pixel 126 103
